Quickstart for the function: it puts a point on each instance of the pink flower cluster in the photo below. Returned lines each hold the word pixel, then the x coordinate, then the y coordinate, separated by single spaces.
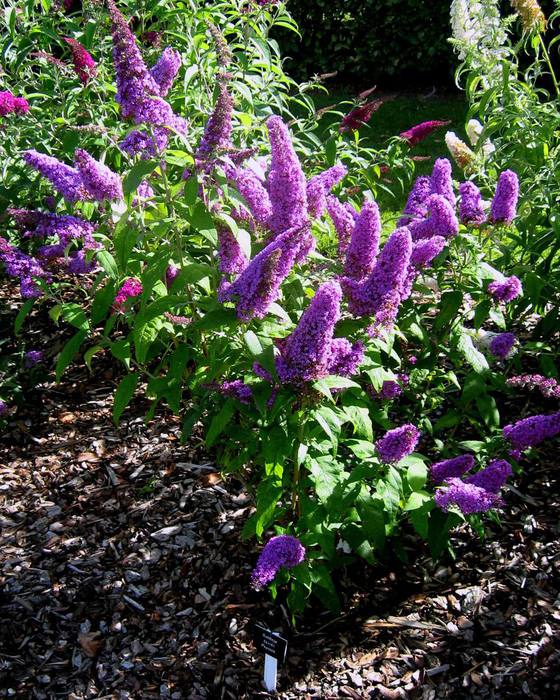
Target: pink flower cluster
pixel 10 104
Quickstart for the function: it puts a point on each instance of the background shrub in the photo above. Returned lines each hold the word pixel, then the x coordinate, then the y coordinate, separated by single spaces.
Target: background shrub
pixel 380 41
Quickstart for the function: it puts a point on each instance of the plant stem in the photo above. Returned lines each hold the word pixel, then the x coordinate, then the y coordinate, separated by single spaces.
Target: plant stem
pixel 549 63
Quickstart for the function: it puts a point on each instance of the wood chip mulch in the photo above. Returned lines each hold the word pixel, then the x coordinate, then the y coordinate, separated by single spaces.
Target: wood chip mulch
pixel 123 575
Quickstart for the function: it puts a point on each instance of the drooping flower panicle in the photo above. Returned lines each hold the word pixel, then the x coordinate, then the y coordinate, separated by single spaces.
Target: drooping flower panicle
pixel 282 551
pixel 505 290
pixel 84 65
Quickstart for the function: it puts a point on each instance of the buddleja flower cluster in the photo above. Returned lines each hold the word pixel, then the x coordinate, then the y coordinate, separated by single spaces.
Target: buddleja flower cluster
pixel 476 493
pixel 87 180
pixel 280 552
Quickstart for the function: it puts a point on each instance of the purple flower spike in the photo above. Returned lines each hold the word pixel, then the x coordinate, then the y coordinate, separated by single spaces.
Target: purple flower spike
pixel 471 210
pixel 441 221
pixel 252 190
pixel 232 258
pixel 380 294
pixel 319 187
pixel 442 180
pixel 493 477
pixel 531 431
pixel 287 186
pixel 311 352
pixel 99 180
pixel 398 443
pixel 504 204
pixel 423 252
pixel 467 497
pixel 78 265
pixel 282 551
pixel 364 243
pixel 165 70
pixel 417 203
pixel 343 216
pixel 64 178
pixel 217 133
pixel 258 286
pixel 506 290
pixel 139 143
pixel 449 468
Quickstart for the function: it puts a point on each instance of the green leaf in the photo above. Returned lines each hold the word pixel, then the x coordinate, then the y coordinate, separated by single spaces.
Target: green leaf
pixel 88 354
pixel 75 316
pixel 253 343
pixel 417 475
pixel 138 173
pixel 269 493
pixel 108 263
pixel 488 410
pixel 219 422
pixel 123 395
pixel 473 356
pixel 69 351
pixel 416 500
pixel 22 315
pixel 449 305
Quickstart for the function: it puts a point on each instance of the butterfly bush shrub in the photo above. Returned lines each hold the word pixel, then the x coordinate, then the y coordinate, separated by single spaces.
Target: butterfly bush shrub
pixel 197 232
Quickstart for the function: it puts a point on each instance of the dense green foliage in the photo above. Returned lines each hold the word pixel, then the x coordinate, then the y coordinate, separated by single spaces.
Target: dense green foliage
pixel 374 41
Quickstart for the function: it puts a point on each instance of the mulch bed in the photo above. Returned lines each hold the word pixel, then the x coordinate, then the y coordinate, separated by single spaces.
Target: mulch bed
pixel 123 575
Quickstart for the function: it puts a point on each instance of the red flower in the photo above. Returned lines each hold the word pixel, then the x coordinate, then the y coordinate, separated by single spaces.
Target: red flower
pixel 84 65
pixel 421 131
pixel 359 116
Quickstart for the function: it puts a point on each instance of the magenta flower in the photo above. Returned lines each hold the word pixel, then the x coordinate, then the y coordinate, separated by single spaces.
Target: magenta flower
pixel 130 289
pixel 171 274
pixel 418 133
pixel 398 443
pixel 84 65
pixel 364 242
pixel 504 204
pixel 10 104
pixel 282 551
pixel 506 290
pixel 359 116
